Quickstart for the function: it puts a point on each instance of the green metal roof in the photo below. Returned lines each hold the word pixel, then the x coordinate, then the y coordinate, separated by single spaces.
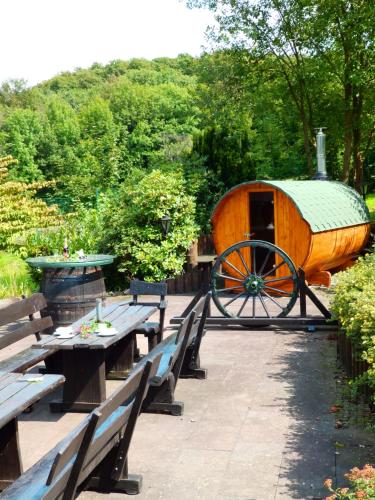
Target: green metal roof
pixel 324 205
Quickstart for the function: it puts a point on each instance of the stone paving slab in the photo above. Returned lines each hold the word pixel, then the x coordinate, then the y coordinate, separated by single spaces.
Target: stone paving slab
pixel 258 428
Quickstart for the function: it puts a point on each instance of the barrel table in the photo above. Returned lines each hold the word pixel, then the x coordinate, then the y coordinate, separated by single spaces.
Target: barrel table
pixel 71 286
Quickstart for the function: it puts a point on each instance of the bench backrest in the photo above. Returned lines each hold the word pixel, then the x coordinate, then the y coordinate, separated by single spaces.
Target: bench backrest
pixel 197 332
pixel 188 331
pixel 98 433
pixel 19 310
pixel 138 287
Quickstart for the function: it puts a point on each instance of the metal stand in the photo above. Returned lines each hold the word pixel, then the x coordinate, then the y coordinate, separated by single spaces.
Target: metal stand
pixel 311 323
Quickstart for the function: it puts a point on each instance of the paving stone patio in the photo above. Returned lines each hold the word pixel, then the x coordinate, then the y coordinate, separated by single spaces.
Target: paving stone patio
pixel 258 428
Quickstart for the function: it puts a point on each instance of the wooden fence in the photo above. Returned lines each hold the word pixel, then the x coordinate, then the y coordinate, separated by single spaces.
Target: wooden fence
pixel 197 270
pixel 190 281
pixel 350 357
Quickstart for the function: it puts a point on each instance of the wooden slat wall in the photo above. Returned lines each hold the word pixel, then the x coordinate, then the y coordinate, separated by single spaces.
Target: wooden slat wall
pixel 292 233
pixel 232 220
pixel 312 251
pixel 332 249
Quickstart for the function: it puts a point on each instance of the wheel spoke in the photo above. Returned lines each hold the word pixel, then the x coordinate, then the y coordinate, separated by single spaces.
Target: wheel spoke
pixel 234 298
pixel 274 269
pixel 243 306
pixel 264 262
pixel 273 300
pixel 230 282
pixel 243 261
pixel 272 280
pixel 253 250
pixel 234 267
pixel 229 288
pixel 263 304
pixel 228 277
pixel 278 290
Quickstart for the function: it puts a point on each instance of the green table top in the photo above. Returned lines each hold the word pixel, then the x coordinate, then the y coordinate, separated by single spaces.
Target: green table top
pixel 52 261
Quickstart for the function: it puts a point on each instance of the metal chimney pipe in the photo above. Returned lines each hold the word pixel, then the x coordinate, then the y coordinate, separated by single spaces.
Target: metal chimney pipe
pixel 321 174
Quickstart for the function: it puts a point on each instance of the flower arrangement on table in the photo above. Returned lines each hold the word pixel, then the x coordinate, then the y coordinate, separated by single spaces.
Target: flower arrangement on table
pixel 91 327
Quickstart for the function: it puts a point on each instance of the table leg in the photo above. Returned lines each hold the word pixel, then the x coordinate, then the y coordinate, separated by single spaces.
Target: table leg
pixel 10 458
pixel 84 388
pixel 54 364
pixel 120 358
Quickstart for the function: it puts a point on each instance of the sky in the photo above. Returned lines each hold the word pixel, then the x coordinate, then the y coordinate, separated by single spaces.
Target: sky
pixel 41 38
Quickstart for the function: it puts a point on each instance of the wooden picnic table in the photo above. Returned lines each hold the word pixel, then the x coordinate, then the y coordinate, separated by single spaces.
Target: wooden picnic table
pixel 86 360
pixel 18 392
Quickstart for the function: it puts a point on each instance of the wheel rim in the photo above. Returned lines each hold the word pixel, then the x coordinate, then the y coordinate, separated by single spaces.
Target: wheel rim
pixel 254 279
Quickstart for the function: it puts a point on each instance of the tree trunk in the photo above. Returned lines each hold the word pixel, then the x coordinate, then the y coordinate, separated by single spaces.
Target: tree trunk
pixel 357 154
pixel 348 132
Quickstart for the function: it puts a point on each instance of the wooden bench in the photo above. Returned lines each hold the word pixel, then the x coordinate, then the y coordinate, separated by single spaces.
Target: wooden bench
pixel 13 330
pixel 160 396
pixel 94 454
pixel 191 367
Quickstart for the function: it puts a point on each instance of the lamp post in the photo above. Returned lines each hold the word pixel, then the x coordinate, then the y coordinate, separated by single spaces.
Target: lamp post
pixel 165 222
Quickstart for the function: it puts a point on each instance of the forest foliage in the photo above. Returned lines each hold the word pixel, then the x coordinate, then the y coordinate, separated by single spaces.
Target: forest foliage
pixel 245 110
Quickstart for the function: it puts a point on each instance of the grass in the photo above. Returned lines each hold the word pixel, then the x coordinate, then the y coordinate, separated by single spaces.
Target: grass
pixel 370 200
pixel 15 277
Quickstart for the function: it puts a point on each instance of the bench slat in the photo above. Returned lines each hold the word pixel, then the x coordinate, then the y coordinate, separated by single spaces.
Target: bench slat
pixel 24 330
pixel 70 455
pixel 35 391
pixel 23 360
pixel 21 309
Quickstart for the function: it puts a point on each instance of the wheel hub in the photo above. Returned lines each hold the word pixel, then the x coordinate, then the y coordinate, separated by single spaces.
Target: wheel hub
pixel 253 284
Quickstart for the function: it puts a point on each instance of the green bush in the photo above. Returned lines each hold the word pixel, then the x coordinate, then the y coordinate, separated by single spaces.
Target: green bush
pixel 15 277
pixel 370 201
pixel 82 229
pixel 132 227
pixel 353 306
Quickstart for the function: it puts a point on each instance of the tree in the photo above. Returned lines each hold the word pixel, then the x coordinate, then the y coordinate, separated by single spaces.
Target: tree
pixel 132 225
pixel 270 29
pixel 20 211
pixel 227 153
pixel 342 32
pixel 20 136
pixel 239 92
pixel 98 146
pixel 305 38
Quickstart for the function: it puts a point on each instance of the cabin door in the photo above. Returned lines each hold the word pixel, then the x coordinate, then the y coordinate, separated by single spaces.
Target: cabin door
pixel 262 224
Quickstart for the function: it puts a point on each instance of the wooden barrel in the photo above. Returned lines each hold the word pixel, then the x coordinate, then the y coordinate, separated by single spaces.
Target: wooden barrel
pixel 321 225
pixel 71 292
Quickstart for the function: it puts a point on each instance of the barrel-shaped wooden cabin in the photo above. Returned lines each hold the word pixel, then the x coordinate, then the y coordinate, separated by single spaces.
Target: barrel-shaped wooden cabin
pixel 321 225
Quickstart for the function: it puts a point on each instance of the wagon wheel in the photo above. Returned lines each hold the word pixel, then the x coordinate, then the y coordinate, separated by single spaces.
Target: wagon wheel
pixel 254 279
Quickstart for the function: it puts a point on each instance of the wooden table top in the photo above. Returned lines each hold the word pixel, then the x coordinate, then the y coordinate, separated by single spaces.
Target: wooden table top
pixel 124 316
pixel 17 392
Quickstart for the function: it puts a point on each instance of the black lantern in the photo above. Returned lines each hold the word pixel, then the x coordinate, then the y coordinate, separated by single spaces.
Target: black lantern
pixel 165 222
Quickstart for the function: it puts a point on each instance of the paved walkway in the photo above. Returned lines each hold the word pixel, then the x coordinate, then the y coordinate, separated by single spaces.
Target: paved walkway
pixel 258 428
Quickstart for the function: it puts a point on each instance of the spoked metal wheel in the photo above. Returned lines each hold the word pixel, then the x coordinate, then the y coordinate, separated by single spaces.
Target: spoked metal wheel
pixel 255 279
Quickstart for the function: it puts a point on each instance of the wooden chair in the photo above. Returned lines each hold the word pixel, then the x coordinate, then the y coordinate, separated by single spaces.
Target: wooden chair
pixel 160 396
pixel 152 330
pixel 15 327
pixel 94 455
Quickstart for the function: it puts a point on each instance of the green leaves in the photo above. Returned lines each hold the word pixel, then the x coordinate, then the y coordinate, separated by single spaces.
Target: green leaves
pixel 133 229
pixel 354 307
